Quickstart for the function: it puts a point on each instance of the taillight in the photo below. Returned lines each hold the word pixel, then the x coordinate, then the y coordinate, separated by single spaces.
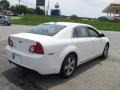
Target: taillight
pixel 37 49
pixel 10 42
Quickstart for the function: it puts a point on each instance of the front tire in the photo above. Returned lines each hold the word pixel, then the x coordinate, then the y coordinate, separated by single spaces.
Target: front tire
pixel 6 23
pixel 68 66
pixel 105 52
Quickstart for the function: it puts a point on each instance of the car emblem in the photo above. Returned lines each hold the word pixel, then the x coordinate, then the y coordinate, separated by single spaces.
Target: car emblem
pixel 20 41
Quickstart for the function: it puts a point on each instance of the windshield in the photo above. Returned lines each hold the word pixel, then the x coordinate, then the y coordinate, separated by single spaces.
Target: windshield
pixel 46 29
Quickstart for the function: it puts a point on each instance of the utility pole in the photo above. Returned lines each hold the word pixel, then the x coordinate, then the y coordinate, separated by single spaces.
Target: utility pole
pixel 19 2
pixel 19 7
pixel 47 7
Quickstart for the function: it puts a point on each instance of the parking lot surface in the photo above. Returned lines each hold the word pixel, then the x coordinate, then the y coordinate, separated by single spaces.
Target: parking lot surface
pixel 98 74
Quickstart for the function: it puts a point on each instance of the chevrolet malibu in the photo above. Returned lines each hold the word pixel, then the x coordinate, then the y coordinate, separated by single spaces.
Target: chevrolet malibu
pixel 56 47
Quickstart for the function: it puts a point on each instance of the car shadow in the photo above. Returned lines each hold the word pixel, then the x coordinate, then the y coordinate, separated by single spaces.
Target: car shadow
pixel 31 80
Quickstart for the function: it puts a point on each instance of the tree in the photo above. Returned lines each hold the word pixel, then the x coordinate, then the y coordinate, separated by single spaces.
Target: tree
pixel 22 9
pixel 13 9
pixel 40 11
pixel 4 5
pixel 30 10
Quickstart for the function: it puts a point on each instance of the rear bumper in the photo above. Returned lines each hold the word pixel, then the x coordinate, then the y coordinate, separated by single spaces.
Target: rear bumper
pixel 43 64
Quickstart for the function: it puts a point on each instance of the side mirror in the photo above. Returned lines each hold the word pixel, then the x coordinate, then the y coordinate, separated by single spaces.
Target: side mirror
pixel 102 35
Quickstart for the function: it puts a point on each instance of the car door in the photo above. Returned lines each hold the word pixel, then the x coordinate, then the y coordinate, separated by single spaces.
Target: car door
pixel 98 43
pixel 83 43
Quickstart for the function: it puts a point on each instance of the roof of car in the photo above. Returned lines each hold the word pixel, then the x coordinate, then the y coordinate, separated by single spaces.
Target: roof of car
pixel 66 23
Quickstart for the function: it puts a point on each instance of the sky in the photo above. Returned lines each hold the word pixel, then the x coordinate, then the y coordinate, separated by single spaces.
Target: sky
pixel 82 8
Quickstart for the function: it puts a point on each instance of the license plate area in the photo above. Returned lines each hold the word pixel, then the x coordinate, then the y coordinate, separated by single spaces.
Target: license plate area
pixel 16 58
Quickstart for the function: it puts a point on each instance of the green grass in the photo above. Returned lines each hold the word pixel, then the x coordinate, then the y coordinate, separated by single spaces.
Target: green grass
pixel 35 20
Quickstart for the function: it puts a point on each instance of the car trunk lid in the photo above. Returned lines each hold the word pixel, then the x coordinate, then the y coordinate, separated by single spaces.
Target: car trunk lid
pixel 23 41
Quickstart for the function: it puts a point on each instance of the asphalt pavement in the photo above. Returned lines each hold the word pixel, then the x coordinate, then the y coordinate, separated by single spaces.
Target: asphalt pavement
pixel 98 74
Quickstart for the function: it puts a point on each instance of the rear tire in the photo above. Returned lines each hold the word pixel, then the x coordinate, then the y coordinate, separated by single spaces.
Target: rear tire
pixel 68 66
pixel 105 52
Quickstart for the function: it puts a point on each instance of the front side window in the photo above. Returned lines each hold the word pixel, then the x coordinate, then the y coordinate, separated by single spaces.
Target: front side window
pixel 46 29
pixel 92 32
pixel 80 32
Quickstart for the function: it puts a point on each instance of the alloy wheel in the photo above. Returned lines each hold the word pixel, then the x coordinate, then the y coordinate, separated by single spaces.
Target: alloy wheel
pixel 69 66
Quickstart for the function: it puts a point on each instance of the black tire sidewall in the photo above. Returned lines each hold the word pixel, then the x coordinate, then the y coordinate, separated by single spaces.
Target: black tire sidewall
pixel 6 23
pixel 103 55
pixel 62 72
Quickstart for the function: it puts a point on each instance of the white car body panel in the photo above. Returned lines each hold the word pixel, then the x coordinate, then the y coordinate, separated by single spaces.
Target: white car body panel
pixel 83 45
pixel 56 48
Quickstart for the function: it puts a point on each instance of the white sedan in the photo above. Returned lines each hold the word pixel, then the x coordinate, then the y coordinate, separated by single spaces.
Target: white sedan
pixel 56 47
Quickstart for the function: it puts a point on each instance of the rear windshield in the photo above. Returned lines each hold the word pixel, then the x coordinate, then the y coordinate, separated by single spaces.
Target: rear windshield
pixel 46 29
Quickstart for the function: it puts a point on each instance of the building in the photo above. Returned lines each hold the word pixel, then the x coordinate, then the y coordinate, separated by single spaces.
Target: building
pixel 112 10
pixel 56 11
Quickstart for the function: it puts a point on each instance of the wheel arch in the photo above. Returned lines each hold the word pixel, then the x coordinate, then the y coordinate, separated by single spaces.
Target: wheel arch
pixel 74 53
pixel 66 52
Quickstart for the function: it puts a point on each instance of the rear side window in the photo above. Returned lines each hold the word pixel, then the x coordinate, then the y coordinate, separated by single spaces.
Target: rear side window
pixel 46 29
pixel 79 32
